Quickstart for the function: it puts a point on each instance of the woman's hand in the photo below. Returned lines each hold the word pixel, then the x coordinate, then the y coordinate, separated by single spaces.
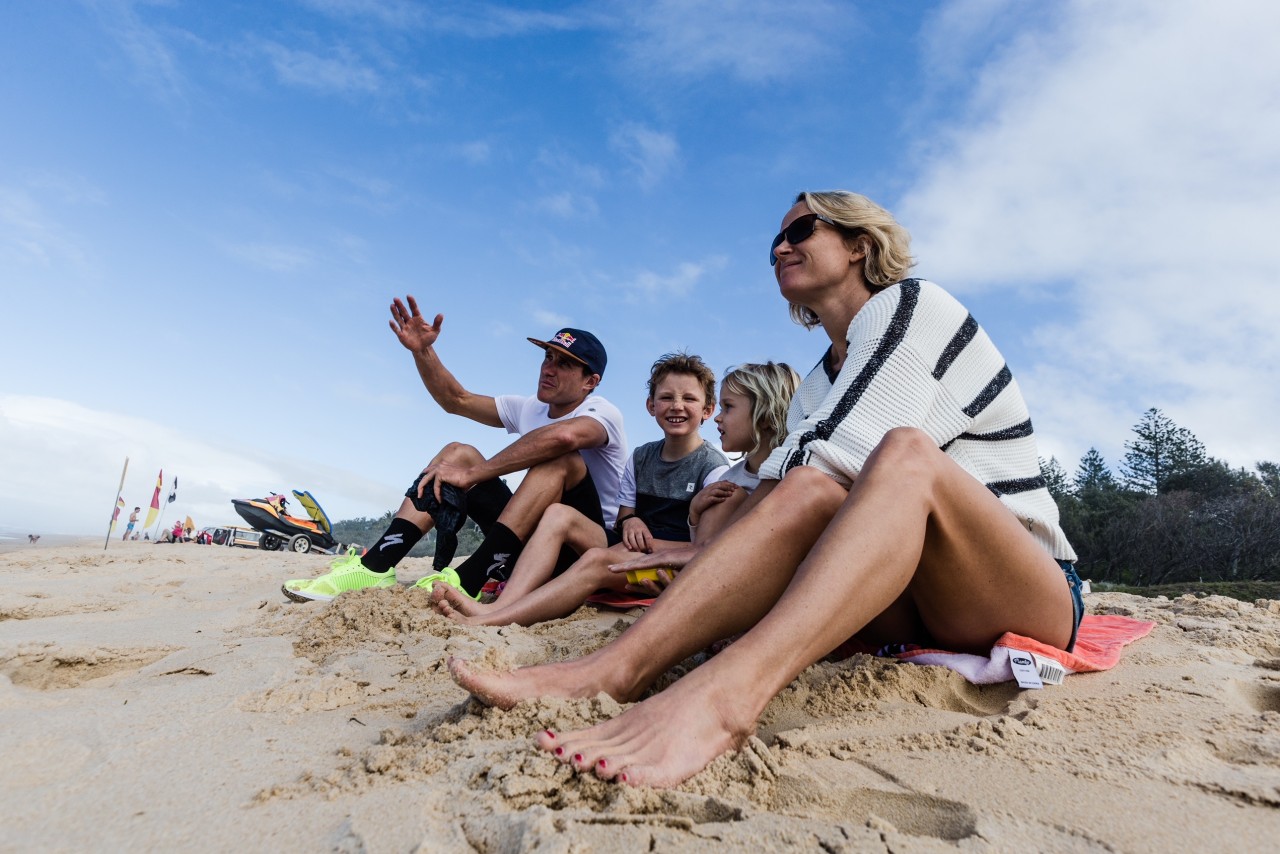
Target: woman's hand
pixel 708 497
pixel 650 587
pixel 666 559
pixel 636 536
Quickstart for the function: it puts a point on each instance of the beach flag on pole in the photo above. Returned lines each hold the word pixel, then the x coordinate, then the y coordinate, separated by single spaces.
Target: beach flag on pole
pixel 173 494
pixel 115 513
pixel 155 503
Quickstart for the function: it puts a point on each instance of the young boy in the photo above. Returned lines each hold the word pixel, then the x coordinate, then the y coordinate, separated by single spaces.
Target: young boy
pixel 658 484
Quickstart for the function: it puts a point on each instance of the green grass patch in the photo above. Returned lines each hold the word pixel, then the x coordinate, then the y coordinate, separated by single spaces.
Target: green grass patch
pixel 1245 591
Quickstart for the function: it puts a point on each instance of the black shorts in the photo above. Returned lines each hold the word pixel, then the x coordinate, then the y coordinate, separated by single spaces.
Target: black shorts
pixel 487 500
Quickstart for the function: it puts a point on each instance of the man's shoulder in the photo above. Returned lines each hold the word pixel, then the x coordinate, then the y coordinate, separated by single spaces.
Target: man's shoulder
pixel 596 406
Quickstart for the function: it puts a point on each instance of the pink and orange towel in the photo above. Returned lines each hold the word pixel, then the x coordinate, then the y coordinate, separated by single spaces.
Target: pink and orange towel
pixel 1099 644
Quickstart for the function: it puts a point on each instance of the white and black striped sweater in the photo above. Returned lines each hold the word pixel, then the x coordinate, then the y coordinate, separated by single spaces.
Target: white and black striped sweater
pixel 917 358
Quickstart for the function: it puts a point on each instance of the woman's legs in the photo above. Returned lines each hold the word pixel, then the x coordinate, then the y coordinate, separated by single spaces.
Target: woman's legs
pixel 726 589
pixel 916 532
pixel 560 526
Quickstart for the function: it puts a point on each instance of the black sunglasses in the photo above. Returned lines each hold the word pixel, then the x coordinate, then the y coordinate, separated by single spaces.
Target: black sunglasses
pixel 800 230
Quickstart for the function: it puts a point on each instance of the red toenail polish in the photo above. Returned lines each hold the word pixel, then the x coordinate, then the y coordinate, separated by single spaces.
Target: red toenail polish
pixel 559 751
pixel 602 763
pixel 549 733
pixel 623 777
pixel 577 758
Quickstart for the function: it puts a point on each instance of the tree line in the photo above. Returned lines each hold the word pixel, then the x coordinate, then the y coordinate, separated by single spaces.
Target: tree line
pixel 1171 513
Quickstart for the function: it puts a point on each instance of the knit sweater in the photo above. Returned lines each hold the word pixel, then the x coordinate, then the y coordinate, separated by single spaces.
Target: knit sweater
pixel 917 358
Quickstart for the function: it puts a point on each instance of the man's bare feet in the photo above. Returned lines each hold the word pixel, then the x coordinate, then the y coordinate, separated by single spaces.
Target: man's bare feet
pixel 662 741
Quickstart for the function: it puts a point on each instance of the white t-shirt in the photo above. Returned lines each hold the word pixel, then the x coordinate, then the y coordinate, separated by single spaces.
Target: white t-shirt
pixel 737 473
pixel 521 414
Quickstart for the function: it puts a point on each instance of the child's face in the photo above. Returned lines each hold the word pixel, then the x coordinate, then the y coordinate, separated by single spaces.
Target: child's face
pixel 734 421
pixel 679 405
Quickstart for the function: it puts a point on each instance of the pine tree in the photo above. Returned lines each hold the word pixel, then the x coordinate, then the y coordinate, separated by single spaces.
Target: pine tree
pixel 1160 451
pixel 1092 475
pixel 1055 477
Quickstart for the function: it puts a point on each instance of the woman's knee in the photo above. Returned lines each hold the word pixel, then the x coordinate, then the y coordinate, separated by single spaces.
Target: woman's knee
pixel 809 489
pixel 907 452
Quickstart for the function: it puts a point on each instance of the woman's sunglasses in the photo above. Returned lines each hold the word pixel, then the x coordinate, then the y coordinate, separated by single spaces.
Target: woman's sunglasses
pixel 800 230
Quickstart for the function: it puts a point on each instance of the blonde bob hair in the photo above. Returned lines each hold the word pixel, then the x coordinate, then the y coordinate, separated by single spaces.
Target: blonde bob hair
pixel 770 387
pixel 888 248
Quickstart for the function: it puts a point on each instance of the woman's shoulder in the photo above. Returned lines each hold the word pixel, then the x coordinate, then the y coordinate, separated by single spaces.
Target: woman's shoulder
pixel 902 302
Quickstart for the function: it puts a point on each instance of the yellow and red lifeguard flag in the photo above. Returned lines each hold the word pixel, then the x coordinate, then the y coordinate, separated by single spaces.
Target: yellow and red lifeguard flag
pixel 115 514
pixel 155 502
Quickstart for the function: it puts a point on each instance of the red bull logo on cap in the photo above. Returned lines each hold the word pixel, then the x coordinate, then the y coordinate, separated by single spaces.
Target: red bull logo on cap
pixel 566 340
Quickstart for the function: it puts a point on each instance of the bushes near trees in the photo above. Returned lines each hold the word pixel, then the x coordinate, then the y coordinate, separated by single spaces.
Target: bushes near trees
pixel 1174 515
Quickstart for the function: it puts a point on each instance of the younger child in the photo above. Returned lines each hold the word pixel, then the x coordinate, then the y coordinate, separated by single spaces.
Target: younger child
pixel 659 484
pixel 754 400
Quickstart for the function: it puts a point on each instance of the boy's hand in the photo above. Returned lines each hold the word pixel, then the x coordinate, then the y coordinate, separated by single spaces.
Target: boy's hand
pixel 710 496
pixel 411 327
pixel 636 536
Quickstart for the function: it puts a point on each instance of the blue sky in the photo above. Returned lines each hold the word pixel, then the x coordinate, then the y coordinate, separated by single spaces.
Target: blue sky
pixel 206 208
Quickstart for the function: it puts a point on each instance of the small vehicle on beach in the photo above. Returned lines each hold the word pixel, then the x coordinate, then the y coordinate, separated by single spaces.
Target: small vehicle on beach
pixel 278 529
pixel 231 535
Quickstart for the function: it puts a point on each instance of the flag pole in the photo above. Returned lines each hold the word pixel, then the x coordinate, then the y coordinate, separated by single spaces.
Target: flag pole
pixel 115 506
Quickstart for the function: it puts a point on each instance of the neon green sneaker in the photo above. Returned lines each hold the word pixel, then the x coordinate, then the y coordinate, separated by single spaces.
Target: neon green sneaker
pixel 345 573
pixel 448 576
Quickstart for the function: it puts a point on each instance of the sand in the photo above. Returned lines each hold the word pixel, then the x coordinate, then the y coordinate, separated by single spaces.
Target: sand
pixel 168 697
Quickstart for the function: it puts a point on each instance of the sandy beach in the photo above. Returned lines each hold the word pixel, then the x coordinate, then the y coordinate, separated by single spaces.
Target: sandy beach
pixel 168 697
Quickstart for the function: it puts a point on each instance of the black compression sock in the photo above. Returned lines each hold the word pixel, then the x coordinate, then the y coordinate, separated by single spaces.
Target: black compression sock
pixel 392 546
pixel 493 559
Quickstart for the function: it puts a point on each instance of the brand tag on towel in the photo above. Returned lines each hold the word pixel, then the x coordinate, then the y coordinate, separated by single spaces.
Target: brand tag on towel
pixel 1024 669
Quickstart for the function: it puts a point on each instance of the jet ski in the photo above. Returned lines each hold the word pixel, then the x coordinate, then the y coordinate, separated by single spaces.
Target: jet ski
pixel 280 530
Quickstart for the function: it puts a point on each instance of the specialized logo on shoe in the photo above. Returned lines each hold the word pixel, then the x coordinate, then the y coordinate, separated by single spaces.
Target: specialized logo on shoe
pixel 565 339
pixel 499 563
pixel 391 540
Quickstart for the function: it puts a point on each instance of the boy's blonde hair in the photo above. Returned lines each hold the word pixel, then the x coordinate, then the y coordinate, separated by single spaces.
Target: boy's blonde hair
pixel 770 387
pixel 683 363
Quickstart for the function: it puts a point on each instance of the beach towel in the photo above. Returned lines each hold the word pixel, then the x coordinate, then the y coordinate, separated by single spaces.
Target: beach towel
pixel 1032 664
pixel 621 600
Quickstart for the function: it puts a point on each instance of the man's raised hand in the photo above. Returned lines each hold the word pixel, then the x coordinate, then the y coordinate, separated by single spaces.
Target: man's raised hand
pixel 411 327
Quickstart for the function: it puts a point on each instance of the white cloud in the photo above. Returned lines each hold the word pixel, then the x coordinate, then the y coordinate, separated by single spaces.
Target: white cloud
pixel 649 286
pixel 155 66
pixel 278 258
pixel 1127 162
pixel 342 72
pixel 62 462
pixel 549 319
pixel 753 40
pixel 650 153
pixel 567 205
pixel 29 235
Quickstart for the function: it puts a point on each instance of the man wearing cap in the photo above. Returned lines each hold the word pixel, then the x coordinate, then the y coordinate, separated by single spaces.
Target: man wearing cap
pixel 572 448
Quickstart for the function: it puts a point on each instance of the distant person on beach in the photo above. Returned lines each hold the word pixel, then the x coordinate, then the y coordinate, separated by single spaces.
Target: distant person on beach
pixel 659 485
pixel 571 447
pixel 133 520
pixel 905 506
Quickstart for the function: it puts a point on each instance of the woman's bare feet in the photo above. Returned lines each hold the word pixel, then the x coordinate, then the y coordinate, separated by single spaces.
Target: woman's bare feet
pixel 662 741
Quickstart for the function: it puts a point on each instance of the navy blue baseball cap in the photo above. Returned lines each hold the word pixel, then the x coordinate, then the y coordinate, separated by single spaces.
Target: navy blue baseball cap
pixel 579 345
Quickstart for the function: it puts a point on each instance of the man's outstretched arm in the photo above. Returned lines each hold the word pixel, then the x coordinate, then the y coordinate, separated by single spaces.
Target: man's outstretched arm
pixel 419 338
